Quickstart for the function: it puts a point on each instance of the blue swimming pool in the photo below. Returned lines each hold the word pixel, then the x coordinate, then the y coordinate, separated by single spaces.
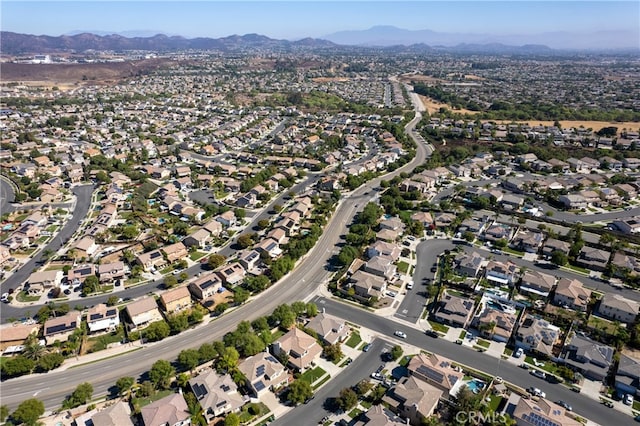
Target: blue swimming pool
pixel 475 385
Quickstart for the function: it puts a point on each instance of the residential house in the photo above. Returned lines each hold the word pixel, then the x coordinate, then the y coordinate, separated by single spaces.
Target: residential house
pixel 85 247
pixel 528 241
pixel 217 394
pixel 269 246
pixel 38 282
pixel 330 329
pixel 380 415
pixel 381 266
pixel 367 285
pixel 625 264
pixel 102 317
pixel 552 244
pixel 536 335
pixel 199 238
pixel 593 259
pixel 108 272
pixel 382 248
pixel 116 414
pixel 573 201
pixel 206 286
pixel 501 273
pixel 263 373
pixel 592 359
pixel 14 335
pixel 172 410
pixel 214 227
pixel 626 191
pixel 572 294
pixel 301 348
pixel 454 310
pixel 231 273
pixel 627 380
pixel 443 219
pixel 76 276
pixel 498 231
pixel 227 218
pixel 423 217
pixel 175 300
pixel 175 252
pixel 529 412
pixel 496 324
pixel 143 312
pixel 435 370
pixel 469 265
pixel 249 259
pixel 60 328
pixel 628 225
pixel 536 282
pixel 618 308
pixel 413 399
pixel 151 260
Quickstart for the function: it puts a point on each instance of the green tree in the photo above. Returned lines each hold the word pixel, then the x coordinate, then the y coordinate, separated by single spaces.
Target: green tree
pixel 257 283
pixel 347 399
pixel 312 309
pixel 216 260
pixel 170 281
pixel 161 373
pixel 28 412
pixel 396 352
pixel 207 352
pixel 4 413
pixel 189 359
pixel 124 384
pixel 333 352
pixel 17 366
pixel 90 285
pixel 228 360
pixel 232 419
pixel 299 391
pixel 284 316
pixel 240 295
pixel 50 362
pixel 559 258
pixel 81 395
pixel 245 240
pixel 157 331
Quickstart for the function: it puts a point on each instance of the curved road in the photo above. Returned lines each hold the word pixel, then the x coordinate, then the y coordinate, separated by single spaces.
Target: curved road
pixel 309 274
pixel 83 202
pixel 7 195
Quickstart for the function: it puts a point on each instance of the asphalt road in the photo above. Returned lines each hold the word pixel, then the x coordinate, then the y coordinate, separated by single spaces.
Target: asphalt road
pixel 361 368
pixel 302 282
pixel 581 404
pixel 7 196
pixel 413 304
pixel 83 202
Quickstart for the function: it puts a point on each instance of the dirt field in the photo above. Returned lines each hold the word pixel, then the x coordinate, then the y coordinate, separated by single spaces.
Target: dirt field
pixel 433 106
pixel 328 79
pixel 70 75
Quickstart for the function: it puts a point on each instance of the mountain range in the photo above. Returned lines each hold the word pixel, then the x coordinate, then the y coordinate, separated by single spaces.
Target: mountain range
pixel 379 37
pixel 385 35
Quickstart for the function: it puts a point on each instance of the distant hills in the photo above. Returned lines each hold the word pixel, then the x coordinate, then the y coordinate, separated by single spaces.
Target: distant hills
pixel 385 35
pixel 379 37
pixel 21 44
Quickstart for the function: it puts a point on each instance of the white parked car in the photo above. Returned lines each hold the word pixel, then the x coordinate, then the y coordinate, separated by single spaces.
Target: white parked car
pixel 400 334
pixel 518 353
pixel 628 399
pixel 409 285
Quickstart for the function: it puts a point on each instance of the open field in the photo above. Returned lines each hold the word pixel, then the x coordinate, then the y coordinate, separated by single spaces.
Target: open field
pixel 433 106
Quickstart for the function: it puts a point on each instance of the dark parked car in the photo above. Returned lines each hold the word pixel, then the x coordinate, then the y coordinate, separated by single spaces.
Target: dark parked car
pixel 432 333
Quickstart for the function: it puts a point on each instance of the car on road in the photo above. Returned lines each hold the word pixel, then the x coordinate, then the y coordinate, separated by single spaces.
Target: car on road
pixel 536 392
pixel 434 268
pixel 400 334
pixel 366 347
pixel 432 333
pixel 539 374
pixel 5 297
pixel 565 405
pixel 607 403
pixel 409 285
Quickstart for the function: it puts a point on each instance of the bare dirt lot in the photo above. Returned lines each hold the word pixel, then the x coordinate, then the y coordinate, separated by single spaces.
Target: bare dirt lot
pixel 68 75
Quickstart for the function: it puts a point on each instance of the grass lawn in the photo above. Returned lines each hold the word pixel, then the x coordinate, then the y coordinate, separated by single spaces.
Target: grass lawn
pixel 366 404
pixel 494 403
pixel 197 255
pixel 602 324
pixel 55 268
pixel 548 366
pixel 52 228
pixel 354 340
pixel 132 281
pixel 99 343
pixel 483 343
pixel 344 361
pixel 311 376
pixel 43 239
pixel 512 251
pixel 508 352
pixel 439 327
pixel 403 267
pixel 355 413
pixel 276 335
pixel 321 382
pixel 249 411
pixel 24 297
pixel 158 395
pixel 578 269
pixel 404 361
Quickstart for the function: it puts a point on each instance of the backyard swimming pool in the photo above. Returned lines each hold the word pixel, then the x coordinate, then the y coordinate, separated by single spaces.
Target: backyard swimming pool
pixel 475 385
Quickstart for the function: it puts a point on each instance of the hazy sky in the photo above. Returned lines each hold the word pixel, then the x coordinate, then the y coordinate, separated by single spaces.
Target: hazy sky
pixel 302 18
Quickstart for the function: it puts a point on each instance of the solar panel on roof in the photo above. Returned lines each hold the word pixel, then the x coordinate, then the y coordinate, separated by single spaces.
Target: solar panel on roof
pixel 199 390
pixel 93 317
pixel 56 328
pixel 259 386
pixel 112 312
